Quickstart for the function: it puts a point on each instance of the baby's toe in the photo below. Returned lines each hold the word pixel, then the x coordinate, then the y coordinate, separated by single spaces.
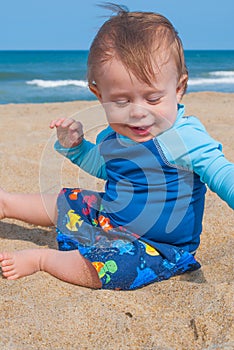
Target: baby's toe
pixel 7 268
pixel 7 262
pixel 9 274
pixel 5 256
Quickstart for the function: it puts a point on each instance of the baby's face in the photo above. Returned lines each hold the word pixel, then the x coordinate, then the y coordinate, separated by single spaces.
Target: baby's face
pixel 135 109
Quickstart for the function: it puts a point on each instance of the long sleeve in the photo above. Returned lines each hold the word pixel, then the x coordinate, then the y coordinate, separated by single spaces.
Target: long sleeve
pixel 189 146
pixel 86 155
pixel 219 177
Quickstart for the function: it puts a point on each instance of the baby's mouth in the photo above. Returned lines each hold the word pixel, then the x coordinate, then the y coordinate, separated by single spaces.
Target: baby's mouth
pixel 140 130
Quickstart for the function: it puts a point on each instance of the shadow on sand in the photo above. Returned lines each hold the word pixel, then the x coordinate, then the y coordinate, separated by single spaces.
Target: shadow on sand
pixel 35 234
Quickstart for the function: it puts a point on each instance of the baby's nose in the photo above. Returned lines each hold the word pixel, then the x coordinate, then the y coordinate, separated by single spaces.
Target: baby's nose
pixel 137 111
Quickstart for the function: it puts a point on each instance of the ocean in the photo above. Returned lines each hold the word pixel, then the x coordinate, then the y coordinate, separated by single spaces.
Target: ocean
pixel 58 76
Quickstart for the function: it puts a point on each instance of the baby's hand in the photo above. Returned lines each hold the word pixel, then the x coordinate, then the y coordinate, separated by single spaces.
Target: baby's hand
pixel 69 132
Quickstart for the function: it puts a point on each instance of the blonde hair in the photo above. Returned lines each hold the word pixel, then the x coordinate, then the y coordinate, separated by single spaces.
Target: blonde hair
pixel 135 38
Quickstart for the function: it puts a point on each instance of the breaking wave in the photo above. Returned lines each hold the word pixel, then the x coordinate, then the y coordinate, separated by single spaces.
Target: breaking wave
pixel 57 83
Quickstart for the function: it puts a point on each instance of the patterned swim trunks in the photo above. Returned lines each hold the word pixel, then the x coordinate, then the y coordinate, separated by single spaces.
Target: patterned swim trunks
pixel 123 260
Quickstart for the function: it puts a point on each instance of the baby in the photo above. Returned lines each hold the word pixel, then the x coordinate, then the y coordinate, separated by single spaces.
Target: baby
pixel 146 225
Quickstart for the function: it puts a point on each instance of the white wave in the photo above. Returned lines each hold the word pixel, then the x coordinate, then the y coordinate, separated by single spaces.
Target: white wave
pixel 57 83
pixel 211 81
pixel 222 74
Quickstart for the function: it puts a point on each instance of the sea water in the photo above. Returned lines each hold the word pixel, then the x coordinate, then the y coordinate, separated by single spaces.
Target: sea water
pixel 57 76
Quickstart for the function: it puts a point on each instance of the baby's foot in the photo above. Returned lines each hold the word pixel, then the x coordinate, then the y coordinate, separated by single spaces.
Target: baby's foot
pixel 20 263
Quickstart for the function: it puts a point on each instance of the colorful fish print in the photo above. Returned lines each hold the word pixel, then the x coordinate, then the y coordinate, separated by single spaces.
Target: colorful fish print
pixel 144 277
pixel 105 223
pixel 73 196
pixel 150 250
pixel 89 200
pixel 94 222
pixel 73 220
pixel 105 269
pixel 124 247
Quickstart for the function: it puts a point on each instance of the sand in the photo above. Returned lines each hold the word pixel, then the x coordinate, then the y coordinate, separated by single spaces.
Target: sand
pixel 192 311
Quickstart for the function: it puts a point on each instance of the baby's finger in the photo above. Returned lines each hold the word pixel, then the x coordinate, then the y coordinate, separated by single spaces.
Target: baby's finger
pixel 76 126
pixel 56 122
pixel 67 123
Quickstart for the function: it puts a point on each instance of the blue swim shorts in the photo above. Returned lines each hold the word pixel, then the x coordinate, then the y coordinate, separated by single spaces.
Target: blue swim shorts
pixel 123 260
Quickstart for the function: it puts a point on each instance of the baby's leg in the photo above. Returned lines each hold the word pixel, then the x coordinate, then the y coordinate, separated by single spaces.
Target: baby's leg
pixel 68 266
pixel 37 209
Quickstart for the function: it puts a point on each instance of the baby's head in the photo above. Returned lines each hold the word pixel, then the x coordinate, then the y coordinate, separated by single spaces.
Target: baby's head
pixel 142 42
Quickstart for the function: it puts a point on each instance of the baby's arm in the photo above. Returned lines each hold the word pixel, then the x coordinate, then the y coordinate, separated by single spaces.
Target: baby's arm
pixel 72 145
pixel 219 176
pixel 210 164
pixel 189 146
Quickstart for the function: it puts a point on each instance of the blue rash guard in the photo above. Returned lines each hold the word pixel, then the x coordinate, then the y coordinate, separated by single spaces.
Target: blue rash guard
pixel 156 189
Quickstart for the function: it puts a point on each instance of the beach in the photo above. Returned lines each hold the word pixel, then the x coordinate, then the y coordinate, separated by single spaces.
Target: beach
pixel 191 311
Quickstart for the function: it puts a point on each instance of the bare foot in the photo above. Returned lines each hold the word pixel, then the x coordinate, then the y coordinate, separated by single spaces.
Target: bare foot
pixel 19 264
pixel 68 266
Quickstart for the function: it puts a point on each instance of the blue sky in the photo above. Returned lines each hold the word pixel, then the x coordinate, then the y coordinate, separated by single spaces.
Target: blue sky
pixel 72 24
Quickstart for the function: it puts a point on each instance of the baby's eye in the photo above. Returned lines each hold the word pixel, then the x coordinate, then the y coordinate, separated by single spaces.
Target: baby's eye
pixel 121 103
pixel 154 100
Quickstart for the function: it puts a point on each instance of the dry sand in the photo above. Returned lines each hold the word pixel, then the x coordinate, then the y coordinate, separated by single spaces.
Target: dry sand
pixel 192 311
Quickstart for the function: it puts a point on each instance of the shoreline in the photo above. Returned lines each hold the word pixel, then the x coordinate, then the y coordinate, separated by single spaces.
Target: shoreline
pixel 191 311
pixel 95 100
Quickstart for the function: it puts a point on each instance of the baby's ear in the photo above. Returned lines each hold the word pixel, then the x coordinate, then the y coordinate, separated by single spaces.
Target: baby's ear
pixel 181 87
pixel 94 89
